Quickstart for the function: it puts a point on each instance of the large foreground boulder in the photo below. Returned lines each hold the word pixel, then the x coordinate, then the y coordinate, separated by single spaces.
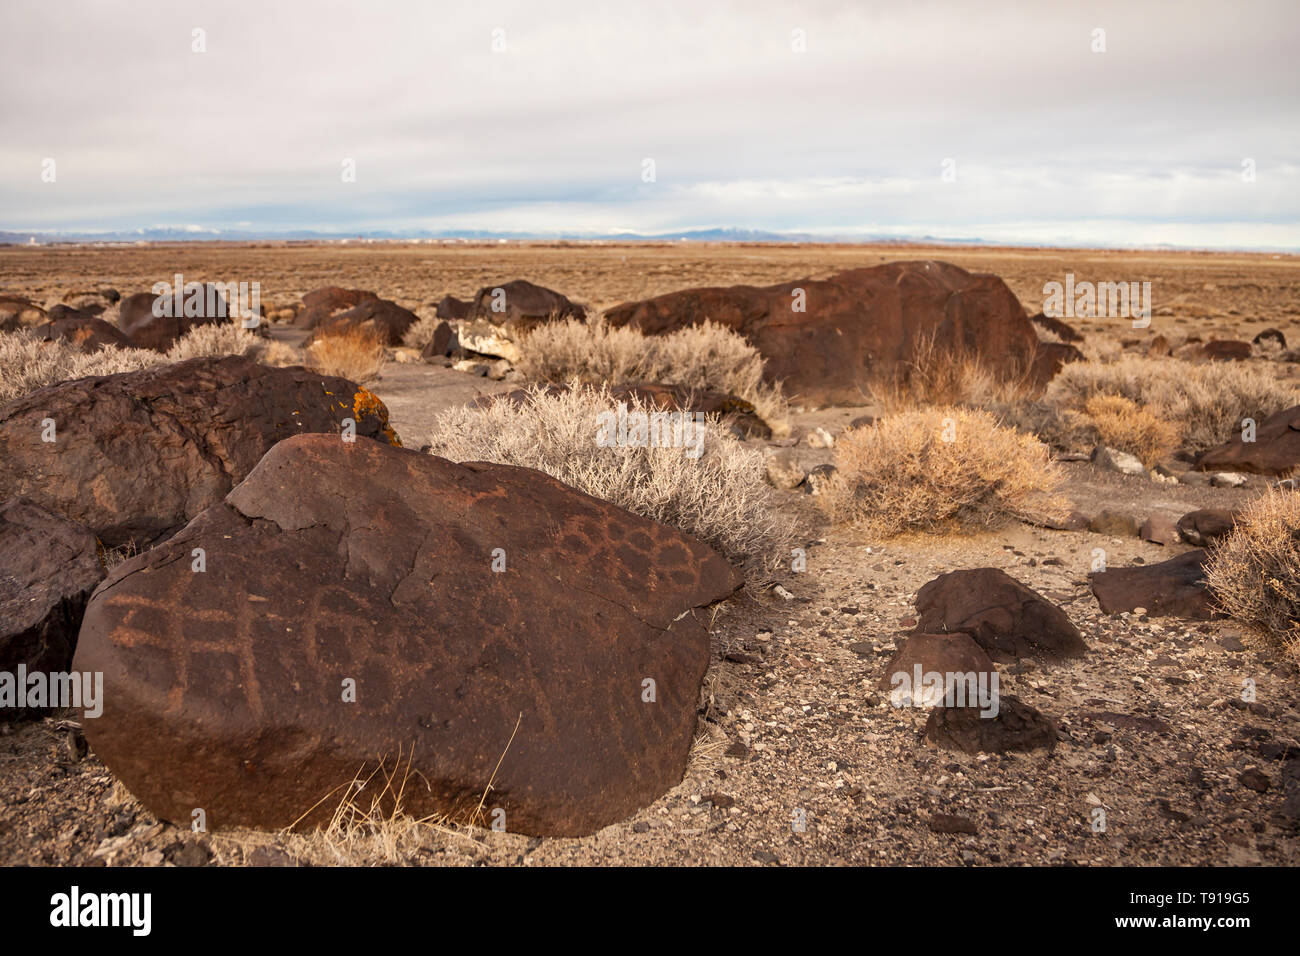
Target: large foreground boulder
pixel 1275 450
pixel 157 321
pixel 1173 588
pixel 496 637
pixel 858 326
pixel 134 456
pixel 1005 617
pixel 48 567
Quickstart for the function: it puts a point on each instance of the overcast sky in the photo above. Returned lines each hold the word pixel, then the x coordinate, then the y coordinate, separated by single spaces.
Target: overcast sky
pixel 1141 144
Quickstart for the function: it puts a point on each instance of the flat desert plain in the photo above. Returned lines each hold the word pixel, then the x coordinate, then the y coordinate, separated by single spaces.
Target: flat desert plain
pixel 799 758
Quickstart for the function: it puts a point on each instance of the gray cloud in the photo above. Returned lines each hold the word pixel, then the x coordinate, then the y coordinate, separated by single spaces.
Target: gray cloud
pixel 1052 142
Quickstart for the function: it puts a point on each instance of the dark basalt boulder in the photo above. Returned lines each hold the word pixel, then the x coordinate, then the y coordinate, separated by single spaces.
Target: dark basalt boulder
pixel 494 637
pixel 136 455
pixel 1173 588
pixel 205 305
pixel 1004 617
pixel 859 327
pixel 48 567
pixel 85 332
pixel 1275 450
pixel 520 305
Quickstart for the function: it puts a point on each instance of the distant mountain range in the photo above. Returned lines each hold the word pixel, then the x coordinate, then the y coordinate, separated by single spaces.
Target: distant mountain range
pixel 168 234
pixel 721 234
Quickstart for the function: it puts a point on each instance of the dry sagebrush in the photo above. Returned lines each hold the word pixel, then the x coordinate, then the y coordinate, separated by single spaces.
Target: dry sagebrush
pixel 1254 573
pixel 706 356
pixel 27 362
pixel 356 354
pixel 1121 423
pixel 939 375
pixel 900 474
pixel 1206 402
pixel 720 497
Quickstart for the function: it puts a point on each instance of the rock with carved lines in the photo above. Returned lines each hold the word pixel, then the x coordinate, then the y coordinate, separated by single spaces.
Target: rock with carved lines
pixel 515 650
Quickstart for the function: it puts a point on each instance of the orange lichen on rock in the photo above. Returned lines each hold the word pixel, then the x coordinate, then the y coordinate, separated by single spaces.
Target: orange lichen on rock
pixel 365 402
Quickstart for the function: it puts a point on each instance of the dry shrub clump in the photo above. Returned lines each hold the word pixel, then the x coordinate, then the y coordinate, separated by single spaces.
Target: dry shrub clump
pixel 721 496
pixel 706 356
pixel 28 363
pixel 1254 573
pixel 421 331
pixel 937 375
pixel 1205 402
pixel 940 469
pixel 1121 423
pixel 356 354
pixel 217 339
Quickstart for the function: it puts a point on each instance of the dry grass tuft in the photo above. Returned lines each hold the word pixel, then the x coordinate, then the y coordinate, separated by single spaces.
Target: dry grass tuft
pixel 215 340
pixel 1121 423
pixel 1206 402
pixel 1254 573
pixel 356 354
pixel 721 496
pixel 941 376
pixel 901 474
pixel 705 356
pixel 27 363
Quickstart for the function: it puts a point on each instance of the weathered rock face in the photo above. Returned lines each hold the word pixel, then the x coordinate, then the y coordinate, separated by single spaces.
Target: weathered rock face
pixel 1002 615
pixel 1206 526
pixel 334 562
pixel 19 313
pixel 857 326
pixel 48 567
pixel 1173 588
pixel 87 333
pixel 387 321
pixel 321 304
pixel 1017 726
pixel 519 305
pixel 943 654
pixel 138 454
pixel 1159 530
pixel 159 332
pixel 1275 450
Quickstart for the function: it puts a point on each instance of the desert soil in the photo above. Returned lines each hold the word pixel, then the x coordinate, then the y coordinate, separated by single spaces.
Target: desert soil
pixel 799 758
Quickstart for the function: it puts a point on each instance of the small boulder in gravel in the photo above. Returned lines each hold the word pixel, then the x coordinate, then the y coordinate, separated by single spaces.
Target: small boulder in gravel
pixel 1173 588
pixel 1205 526
pixel 1159 530
pixel 1115 460
pixel 1017 726
pixel 1001 614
